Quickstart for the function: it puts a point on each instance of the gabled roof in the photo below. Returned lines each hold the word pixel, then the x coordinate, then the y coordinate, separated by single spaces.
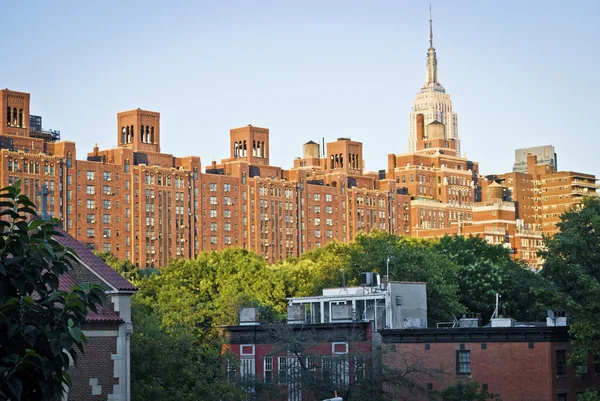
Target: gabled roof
pixel 103 314
pixel 94 263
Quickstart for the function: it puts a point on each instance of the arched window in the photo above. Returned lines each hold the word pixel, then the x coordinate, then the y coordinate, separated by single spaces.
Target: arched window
pixel 25 166
pixel 235 149
pixel 245 148
pixel 152 134
pixel 9 164
pixel 258 149
pixel 126 166
pixel 131 130
pixel 127 134
pixel 14 116
pixel 253 148
pixel 147 134
pixel 262 148
pixel 123 137
pixel 8 120
pixel 21 118
pixel 331 162
pixel 341 160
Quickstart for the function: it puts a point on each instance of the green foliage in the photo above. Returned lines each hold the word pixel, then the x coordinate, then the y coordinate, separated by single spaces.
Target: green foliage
pixel 40 325
pixel 469 391
pixel 487 269
pixel 589 395
pixel 173 366
pixel 411 260
pixel 124 267
pixel 572 264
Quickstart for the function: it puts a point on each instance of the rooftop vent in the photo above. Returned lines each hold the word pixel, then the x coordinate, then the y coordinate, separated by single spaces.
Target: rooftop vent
pixel 296 314
pixel 341 313
pixel 470 320
pixel 249 316
pixel 503 322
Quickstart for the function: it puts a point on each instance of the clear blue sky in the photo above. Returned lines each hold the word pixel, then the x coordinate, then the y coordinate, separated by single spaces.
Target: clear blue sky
pixel 520 73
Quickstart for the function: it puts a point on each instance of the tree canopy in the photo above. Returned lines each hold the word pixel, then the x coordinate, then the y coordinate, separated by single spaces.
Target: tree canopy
pixel 40 325
pixel 572 264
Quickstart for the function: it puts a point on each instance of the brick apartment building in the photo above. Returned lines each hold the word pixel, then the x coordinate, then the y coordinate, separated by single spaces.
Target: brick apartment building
pixel 149 207
pixel 518 361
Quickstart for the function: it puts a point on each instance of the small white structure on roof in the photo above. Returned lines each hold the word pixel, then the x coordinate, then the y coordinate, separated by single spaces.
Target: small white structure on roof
pixel 398 305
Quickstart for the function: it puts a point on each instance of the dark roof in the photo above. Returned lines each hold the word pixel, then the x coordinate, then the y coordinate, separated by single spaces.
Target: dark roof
pixel 103 315
pixel 311 143
pixel 92 261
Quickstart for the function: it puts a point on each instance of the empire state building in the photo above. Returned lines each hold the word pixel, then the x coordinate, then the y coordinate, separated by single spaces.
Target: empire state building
pixel 433 102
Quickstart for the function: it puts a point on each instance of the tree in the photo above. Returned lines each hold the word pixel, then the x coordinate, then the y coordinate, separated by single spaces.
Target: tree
pixel 469 391
pixel 188 371
pixel 572 263
pixel 411 260
pixel 40 325
pixel 487 269
pixel 589 395
pixel 124 267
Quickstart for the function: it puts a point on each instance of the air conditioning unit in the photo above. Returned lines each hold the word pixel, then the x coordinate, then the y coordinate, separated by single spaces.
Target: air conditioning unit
pixel 151 196
pixel 105 236
pixel 90 236
pixel 108 207
pixel 152 252
pixel 153 238
pixel 93 222
pixel 109 179
pixel 107 193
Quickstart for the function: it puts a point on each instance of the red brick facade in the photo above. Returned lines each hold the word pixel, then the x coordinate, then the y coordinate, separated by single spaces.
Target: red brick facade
pixel 149 207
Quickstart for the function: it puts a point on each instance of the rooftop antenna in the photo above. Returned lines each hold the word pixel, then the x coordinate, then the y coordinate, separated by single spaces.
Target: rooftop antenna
pixel 430 28
pixel 344 289
pixel 495 314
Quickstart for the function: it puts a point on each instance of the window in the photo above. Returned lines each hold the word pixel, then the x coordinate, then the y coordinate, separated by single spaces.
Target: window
pixel 90 233
pixel 213 240
pixel 463 362
pixel 106 232
pixel 317 197
pixel 213 187
pixel 213 200
pixel 90 204
pixel 227 187
pixel 90 190
pixel 213 213
pixel 90 219
pixel 106 176
pixel 561 362
pixel 282 369
pixel 213 226
pixel 89 175
pixel 561 397
pixel 106 218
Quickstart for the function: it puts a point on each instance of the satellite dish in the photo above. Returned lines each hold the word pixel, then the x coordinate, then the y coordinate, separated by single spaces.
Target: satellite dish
pixel 550 313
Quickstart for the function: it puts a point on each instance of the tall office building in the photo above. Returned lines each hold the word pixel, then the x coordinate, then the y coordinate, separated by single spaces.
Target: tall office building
pixel 433 103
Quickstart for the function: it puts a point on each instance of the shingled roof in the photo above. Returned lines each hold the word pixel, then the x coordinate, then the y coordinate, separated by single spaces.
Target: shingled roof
pixel 93 262
pixel 103 314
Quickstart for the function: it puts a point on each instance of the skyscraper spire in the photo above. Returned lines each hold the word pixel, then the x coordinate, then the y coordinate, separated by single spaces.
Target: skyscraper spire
pixel 431 79
pixel 430 28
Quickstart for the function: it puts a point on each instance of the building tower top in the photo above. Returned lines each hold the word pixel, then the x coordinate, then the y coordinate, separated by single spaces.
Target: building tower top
pixel 431 79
